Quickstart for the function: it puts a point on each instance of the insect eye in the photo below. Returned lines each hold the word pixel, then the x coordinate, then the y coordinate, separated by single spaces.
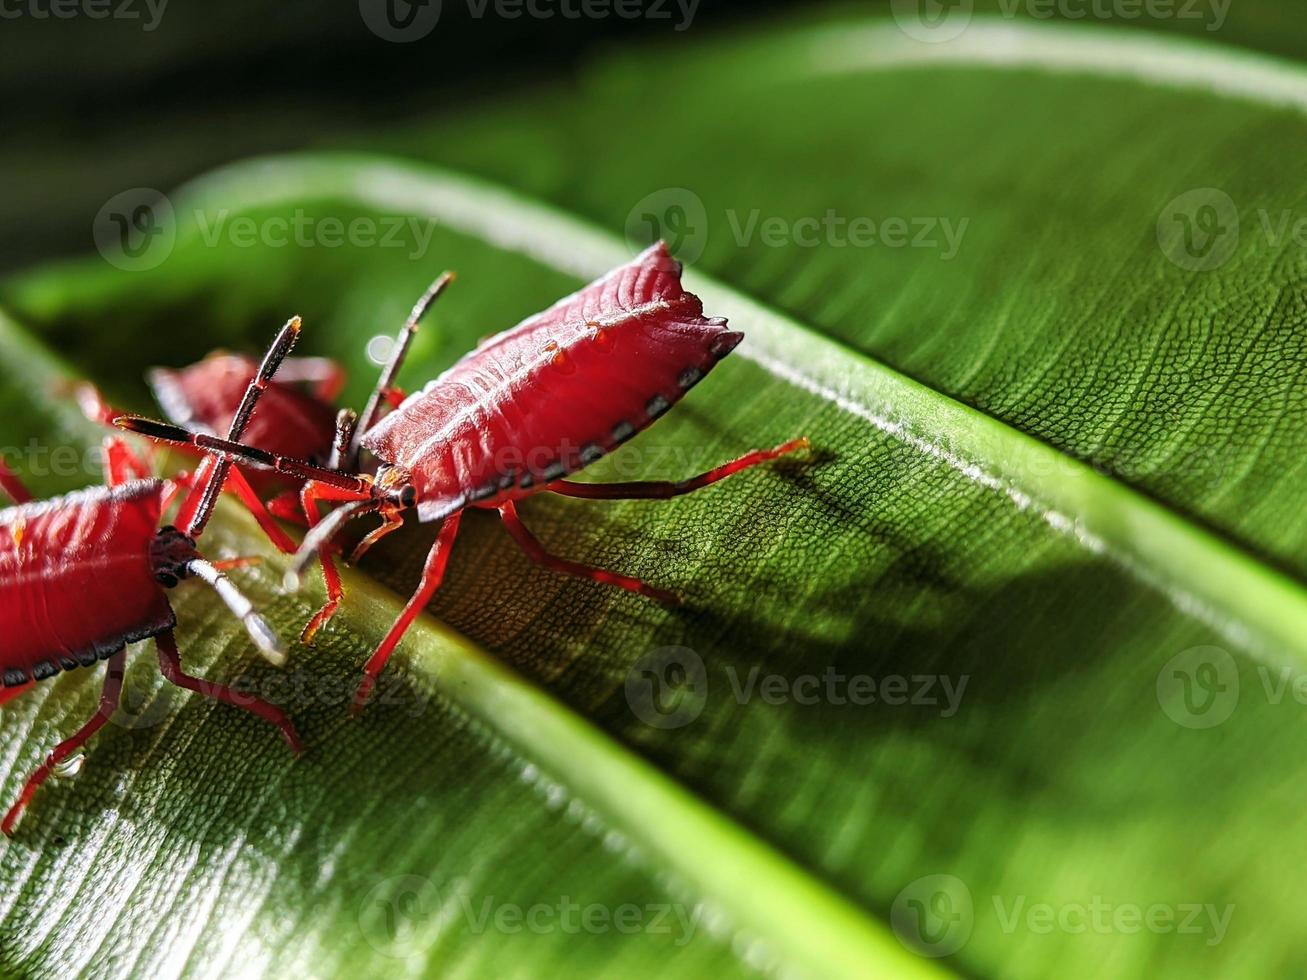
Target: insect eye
pixel 408 497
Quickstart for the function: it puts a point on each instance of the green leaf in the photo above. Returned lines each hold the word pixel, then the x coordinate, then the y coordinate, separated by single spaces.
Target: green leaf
pixel 1057 153
pixel 612 850
pixel 949 526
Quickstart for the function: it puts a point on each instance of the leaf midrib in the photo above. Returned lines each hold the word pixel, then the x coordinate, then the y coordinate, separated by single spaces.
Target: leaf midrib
pixel 763 894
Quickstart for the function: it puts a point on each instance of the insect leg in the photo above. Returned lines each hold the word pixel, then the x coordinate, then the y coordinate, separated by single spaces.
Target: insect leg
pixel 536 552
pixel 12 485
pixel 310 496
pixel 664 489
pixel 176 484
pixel 113 685
pixel 392 521
pixel 170 665
pixel 245 493
pixel 121 464
pixel 286 507
pixel 432 575
pixel 198 484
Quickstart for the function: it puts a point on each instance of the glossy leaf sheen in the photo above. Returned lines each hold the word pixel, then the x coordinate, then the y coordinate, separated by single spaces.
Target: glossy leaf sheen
pixel 948 525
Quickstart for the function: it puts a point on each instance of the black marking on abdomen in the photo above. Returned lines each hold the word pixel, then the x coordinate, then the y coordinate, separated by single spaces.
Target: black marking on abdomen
pixel 622 431
pixel 45 669
pixel 656 406
pixel 481 493
pixel 690 377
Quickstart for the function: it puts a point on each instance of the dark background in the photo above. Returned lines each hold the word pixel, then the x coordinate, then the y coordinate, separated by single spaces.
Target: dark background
pixel 92 107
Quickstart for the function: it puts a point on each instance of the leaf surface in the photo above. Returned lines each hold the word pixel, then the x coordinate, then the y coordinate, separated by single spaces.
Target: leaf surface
pixel 935 535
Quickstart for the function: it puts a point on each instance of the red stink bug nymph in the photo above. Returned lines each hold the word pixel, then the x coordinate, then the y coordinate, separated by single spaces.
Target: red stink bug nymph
pixel 297 417
pixel 83 575
pixel 515 416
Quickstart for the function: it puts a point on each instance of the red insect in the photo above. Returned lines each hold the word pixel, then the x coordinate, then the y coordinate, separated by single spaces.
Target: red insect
pixel 297 418
pixel 83 575
pixel 525 409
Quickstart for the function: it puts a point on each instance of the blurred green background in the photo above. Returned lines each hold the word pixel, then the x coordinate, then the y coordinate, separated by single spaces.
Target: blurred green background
pixel 96 106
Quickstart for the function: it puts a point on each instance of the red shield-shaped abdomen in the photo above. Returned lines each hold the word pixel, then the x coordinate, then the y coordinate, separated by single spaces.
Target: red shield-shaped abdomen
pixel 557 391
pixel 76 580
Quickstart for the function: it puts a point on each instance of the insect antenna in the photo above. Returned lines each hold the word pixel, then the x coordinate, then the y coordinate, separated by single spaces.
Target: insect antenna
pixel 268 642
pixel 347 421
pixel 282 345
pixel 372 410
pixel 177 436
